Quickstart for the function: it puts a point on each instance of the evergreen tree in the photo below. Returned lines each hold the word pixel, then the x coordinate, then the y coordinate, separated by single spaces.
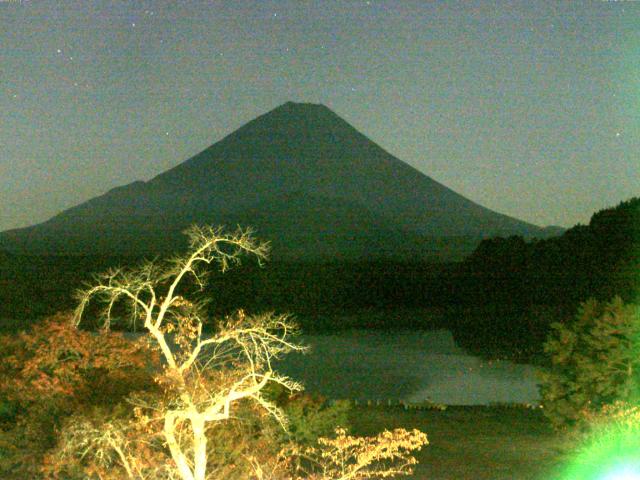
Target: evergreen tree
pixel 595 361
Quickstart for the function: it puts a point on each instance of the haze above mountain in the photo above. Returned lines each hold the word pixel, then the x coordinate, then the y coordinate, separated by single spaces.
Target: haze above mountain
pixel 304 178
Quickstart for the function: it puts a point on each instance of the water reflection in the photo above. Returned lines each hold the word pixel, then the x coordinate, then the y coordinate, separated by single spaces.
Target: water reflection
pixel 411 366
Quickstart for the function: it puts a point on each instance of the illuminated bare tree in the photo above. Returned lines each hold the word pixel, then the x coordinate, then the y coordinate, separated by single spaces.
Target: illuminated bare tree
pixel 205 376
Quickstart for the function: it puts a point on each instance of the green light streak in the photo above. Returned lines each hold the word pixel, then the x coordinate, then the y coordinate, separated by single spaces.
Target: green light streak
pixel 613 453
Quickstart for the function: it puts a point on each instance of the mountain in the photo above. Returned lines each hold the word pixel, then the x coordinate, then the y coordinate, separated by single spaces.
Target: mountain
pixel 303 177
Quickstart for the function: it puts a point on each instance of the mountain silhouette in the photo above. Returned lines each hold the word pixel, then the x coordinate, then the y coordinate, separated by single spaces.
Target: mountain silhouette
pixel 304 178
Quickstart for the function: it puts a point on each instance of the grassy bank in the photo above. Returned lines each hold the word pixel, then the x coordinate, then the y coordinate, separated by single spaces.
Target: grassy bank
pixel 475 443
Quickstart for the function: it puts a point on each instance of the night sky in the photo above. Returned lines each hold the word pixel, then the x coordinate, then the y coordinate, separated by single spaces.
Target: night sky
pixel 529 108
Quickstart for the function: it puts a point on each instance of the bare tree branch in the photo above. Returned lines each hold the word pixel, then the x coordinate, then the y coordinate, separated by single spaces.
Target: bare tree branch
pixel 244 345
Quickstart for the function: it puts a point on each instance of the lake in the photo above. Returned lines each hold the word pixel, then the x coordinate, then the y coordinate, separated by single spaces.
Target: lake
pixel 412 366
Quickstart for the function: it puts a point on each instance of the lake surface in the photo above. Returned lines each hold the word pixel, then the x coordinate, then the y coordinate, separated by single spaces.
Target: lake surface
pixel 409 365
pixel 412 366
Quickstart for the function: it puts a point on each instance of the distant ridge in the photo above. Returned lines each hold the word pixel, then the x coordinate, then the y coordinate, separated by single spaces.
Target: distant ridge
pixel 304 178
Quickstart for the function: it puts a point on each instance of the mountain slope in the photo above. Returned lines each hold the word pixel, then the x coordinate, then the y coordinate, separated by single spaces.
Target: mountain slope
pixel 302 176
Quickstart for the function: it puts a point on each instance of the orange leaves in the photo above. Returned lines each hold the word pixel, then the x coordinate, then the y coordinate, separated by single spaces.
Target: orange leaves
pixel 386 455
pixel 56 359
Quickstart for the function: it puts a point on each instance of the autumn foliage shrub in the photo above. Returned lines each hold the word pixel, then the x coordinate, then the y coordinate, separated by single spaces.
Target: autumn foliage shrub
pixel 594 361
pixel 54 371
pixel 385 455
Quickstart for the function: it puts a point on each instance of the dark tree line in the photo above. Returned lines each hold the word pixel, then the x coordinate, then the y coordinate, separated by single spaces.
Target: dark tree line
pixel 598 260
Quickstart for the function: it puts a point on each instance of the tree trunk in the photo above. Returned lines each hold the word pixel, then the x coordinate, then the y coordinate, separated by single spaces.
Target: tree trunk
pixel 199 447
pixel 174 448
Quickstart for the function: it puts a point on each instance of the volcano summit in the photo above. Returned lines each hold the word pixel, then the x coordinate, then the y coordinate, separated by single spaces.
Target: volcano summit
pixel 303 177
